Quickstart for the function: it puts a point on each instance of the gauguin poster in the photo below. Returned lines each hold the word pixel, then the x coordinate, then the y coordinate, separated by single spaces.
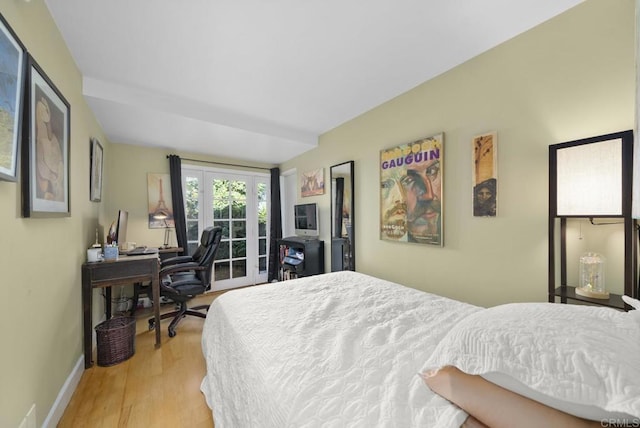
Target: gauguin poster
pixel 485 177
pixel 411 191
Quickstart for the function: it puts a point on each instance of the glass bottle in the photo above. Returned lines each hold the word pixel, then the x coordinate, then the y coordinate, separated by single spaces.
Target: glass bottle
pixel 592 273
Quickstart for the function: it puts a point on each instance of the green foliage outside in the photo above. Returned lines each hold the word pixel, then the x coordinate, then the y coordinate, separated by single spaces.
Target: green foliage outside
pixel 191 198
pixel 229 202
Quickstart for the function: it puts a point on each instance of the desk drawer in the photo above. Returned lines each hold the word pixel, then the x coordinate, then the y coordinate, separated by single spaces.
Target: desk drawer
pixel 121 270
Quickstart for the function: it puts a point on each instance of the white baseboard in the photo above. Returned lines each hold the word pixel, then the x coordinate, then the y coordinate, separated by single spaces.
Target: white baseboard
pixel 64 396
pixel 70 385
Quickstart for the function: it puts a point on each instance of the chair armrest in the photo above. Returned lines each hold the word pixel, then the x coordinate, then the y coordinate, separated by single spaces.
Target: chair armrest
pixel 182 267
pixel 175 260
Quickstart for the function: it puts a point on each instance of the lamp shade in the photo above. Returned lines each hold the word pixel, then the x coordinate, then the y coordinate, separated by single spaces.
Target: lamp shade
pixel 589 179
pixel 160 215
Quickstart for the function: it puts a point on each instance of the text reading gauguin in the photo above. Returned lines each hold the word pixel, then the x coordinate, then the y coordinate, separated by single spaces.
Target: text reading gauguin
pixel 410 154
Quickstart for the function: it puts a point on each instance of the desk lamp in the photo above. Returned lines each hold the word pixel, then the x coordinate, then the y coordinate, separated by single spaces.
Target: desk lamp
pixel 163 215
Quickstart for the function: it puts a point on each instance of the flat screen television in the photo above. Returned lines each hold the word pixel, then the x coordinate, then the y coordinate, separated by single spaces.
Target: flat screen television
pixel 306 219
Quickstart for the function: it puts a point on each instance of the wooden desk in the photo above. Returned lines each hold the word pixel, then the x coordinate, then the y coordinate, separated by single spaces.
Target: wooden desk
pixel 106 274
pixel 166 253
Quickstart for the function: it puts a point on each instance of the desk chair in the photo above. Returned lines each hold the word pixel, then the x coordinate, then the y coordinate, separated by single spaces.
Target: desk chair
pixel 140 288
pixel 183 277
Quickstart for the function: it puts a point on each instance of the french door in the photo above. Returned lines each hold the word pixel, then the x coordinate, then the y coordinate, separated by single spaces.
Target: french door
pixel 239 204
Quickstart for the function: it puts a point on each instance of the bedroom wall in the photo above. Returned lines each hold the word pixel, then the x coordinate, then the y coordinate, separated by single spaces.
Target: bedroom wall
pixel 40 259
pixel 569 78
pixel 127 170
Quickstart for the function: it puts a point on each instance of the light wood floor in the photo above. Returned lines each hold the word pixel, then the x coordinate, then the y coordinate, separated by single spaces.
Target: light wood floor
pixel 154 388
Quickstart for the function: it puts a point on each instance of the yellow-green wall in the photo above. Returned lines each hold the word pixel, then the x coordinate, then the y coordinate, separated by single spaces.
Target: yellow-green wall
pixel 127 171
pixel 40 258
pixel 570 78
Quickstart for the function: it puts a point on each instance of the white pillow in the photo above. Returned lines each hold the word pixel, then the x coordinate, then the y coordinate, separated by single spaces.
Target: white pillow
pixel 634 303
pixel 582 360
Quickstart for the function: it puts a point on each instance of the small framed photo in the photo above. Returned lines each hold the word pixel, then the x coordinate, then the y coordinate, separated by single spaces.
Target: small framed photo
pixel 485 174
pixel 96 171
pixel 12 58
pixel 45 149
pixel 312 183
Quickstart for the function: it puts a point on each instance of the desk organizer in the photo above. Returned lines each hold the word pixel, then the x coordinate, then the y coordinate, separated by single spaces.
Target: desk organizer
pixel 116 340
pixel 110 253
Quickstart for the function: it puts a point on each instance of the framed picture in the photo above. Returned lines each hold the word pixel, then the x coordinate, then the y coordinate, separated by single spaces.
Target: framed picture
pixel 12 71
pixel 411 195
pixel 45 149
pixel 485 174
pixel 312 183
pixel 96 171
pixel 160 204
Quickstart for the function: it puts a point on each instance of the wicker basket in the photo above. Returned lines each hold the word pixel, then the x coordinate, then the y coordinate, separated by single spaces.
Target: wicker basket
pixel 116 340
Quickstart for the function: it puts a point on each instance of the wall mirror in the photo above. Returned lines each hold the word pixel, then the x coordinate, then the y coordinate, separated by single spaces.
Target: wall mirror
pixel 343 225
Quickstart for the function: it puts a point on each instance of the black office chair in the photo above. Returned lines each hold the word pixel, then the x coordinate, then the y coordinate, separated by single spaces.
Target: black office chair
pixel 183 277
pixel 140 288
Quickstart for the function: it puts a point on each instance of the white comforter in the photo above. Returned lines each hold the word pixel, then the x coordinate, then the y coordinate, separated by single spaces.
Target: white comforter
pixel 335 350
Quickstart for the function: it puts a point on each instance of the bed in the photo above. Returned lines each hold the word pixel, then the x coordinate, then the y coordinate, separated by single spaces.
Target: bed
pixel 346 349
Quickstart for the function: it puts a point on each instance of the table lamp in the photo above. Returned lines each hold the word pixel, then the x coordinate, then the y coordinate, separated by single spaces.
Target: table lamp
pixel 589 185
pixel 163 215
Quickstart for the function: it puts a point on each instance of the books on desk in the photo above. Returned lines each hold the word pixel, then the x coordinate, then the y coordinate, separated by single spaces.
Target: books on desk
pixel 140 251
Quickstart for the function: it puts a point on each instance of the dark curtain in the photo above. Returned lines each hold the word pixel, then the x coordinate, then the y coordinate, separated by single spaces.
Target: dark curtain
pixel 275 231
pixel 175 169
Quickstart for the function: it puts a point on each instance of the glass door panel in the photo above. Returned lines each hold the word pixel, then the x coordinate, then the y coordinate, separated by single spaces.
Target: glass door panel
pixel 262 201
pixel 229 205
pixel 193 201
pixel 239 205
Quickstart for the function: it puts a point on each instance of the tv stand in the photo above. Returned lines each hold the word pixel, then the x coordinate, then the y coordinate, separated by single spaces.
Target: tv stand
pixel 300 256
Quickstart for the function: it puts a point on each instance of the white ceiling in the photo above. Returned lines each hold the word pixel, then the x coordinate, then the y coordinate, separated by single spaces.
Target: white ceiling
pixel 261 80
